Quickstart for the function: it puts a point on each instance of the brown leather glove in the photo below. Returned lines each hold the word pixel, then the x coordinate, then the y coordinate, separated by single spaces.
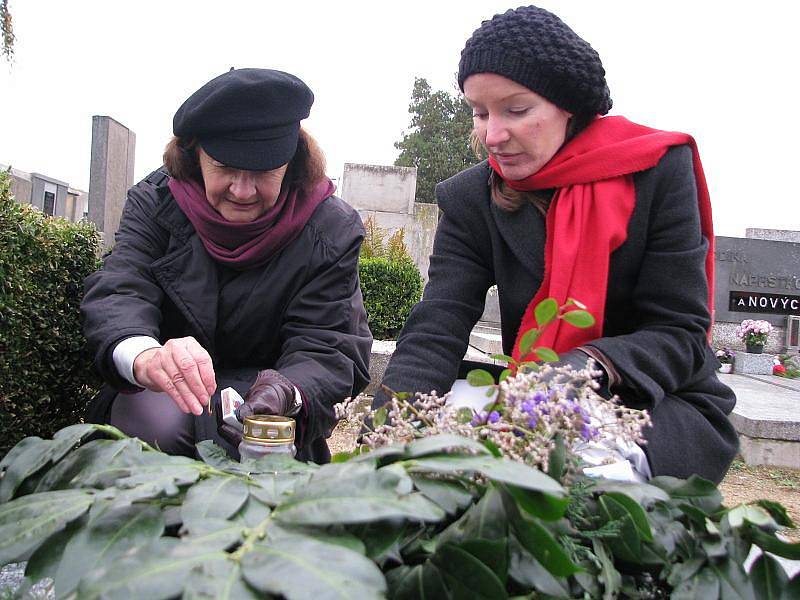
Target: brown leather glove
pixel 270 394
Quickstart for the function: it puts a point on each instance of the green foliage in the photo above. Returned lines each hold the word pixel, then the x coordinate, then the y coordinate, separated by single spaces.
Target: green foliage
pixel 45 379
pixel 440 517
pixel 390 288
pixel 437 142
pixel 6 31
pixel 390 281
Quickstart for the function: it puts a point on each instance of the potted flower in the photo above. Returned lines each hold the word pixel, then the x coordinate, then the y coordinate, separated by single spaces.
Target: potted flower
pixel 754 334
pixel 725 357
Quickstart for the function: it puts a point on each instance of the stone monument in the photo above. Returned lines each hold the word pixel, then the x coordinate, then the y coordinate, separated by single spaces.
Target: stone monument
pixel 111 174
pixel 387 194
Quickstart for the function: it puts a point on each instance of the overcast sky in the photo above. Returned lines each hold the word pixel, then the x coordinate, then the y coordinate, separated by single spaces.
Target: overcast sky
pixel 727 73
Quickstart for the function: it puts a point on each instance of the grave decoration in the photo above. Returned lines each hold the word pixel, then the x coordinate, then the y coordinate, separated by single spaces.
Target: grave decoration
pixel 453 509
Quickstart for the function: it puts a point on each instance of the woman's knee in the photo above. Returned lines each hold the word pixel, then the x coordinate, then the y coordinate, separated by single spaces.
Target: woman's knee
pixel 154 418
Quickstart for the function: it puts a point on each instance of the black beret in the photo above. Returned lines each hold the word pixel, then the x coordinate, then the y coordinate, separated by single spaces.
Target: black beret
pixel 246 118
pixel 536 49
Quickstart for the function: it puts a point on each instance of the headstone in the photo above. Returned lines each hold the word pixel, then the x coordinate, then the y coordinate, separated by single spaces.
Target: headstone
pixel 111 174
pixel 756 279
pixel 753 364
pixel 380 188
pixel 387 194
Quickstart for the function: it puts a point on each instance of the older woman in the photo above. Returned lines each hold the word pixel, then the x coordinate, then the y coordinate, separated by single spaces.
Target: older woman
pixel 571 204
pixel 234 262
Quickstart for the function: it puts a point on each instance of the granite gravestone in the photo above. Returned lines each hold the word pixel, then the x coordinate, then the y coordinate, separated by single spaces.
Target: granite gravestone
pixel 756 279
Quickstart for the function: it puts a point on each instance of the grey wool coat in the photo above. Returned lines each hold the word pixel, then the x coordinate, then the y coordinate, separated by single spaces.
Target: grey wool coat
pixel 301 314
pixel 656 316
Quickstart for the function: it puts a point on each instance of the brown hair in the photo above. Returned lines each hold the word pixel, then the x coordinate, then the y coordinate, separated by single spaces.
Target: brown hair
pixel 512 200
pixel 306 169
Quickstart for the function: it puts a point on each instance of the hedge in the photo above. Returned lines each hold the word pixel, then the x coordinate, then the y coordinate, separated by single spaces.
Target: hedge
pixel 390 288
pixel 45 375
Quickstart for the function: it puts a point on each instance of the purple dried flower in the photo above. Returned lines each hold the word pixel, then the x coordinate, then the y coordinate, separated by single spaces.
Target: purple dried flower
pixel 494 416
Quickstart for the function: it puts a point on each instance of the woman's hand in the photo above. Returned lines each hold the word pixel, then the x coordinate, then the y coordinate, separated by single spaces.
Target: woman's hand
pixel 182 369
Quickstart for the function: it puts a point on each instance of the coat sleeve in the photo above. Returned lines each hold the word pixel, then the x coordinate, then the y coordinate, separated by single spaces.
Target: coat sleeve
pixel 123 299
pixel 668 344
pixel 435 337
pixel 325 339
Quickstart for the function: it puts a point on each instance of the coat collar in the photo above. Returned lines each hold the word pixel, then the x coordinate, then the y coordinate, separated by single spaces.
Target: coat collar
pixel 524 232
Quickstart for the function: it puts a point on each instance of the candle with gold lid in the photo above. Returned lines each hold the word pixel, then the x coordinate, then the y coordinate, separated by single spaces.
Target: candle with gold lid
pixel 267 434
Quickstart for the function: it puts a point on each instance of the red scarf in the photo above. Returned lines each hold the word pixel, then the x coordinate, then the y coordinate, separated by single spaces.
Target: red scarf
pixel 248 245
pixel 588 217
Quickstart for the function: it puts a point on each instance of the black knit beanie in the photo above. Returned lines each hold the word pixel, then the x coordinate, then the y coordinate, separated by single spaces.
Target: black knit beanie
pixel 536 49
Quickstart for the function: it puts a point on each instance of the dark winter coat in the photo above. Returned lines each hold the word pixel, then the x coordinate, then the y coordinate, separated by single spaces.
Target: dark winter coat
pixel 301 314
pixel 656 315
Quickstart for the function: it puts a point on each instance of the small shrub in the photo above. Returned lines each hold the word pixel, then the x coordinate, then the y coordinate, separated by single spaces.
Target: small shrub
pixel 390 288
pixel 390 281
pixel 45 375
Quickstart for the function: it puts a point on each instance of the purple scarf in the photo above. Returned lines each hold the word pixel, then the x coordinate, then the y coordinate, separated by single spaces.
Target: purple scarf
pixel 248 245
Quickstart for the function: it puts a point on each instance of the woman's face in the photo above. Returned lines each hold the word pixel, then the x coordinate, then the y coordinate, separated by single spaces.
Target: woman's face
pixel 518 127
pixel 238 195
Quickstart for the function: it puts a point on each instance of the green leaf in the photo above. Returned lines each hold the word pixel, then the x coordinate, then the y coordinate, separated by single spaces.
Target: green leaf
pixel 608 576
pixel 492 553
pixel 503 358
pixel 379 419
pixel 628 545
pixel 496 469
pixel 355 493
pixel 30 455
pixel 301 567
pixel 537 540
pixel 738 515
pixel 546 311
pixel 777 512
pixel 451 496
pixel 444 441
pixel 557 459
pixel 112 534
pixel 697 491
pixel 528 340
pixel 44 562
pixel 733 581
pixel 157 572
pixel 770 543
pixel 504 374
pixel 28 521
pixel 213 533
pixel 382 540
pixel 546 354
pixel 465 575
pixel 544 506
pixel 218 579
pixel 578 318
pixel 253 513
pixel 84 463
pixel 480 377
pixel 636 513
pixel 341 457
pixel 273 488
pixel 216 457
pixel 484 520
pixel 524 569
pixel 166 471
pixel 421 582
pixel 683 571
pixel 217 497
pixel 492 447
pixel 643 493
pixel 768 577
